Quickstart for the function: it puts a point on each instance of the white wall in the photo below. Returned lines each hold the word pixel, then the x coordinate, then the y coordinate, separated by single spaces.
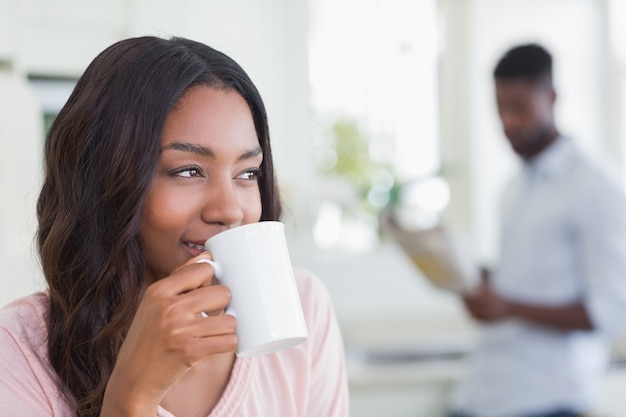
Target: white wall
pixel 20 156
pixel 6 29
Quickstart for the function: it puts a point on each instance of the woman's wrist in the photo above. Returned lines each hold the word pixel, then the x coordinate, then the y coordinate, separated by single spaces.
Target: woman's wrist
pixel 114 406
pixel 120 401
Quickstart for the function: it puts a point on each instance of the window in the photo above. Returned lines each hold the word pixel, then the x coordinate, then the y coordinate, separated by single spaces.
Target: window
pixel 373 71
pixel 52 94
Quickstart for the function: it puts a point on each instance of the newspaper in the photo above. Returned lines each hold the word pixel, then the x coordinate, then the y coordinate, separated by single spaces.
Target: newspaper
pixel 437 254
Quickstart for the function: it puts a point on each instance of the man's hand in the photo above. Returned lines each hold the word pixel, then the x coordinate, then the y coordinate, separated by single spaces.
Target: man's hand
pixel 484 304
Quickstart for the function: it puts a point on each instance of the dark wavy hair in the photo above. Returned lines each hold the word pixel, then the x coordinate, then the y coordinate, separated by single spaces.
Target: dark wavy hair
pixel 100 158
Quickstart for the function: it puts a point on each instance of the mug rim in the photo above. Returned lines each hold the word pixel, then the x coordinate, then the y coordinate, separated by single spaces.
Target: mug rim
pixel 260 224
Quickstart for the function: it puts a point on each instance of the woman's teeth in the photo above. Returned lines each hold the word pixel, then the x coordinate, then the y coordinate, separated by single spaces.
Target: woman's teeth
pixel 194 246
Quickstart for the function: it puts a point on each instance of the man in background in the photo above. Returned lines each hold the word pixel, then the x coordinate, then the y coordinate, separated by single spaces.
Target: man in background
pixel 558 292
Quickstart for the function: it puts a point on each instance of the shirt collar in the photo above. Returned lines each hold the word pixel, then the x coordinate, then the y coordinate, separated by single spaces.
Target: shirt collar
pixel 551 160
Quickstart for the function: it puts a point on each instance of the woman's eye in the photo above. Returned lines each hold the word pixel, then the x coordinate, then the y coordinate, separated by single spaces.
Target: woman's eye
pixel 188 172
pixel 250 174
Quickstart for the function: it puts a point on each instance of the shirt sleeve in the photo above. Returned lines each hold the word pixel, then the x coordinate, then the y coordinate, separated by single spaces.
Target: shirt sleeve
pixel 328 395
pixel 603 239
pixel 21 392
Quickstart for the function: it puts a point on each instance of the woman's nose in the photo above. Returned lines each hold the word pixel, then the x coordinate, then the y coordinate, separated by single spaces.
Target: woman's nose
pixel 222 205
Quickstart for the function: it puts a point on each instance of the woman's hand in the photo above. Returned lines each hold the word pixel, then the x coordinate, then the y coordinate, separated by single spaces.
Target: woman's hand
pixel 168 336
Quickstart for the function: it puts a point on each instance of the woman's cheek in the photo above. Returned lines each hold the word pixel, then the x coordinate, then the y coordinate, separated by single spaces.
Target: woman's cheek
pixel 252 208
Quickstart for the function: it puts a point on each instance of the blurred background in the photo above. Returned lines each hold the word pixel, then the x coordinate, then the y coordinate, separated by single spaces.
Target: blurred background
pixel 373 105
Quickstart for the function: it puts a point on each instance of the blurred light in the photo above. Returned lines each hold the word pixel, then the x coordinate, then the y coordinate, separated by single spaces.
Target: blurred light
pixel 327 229
pixel 358 235
pixel 332 230
pixel 383 177
pixel 325 159
pixel 412 218
pixel 378 196
pixel 381 151
pixel 432 194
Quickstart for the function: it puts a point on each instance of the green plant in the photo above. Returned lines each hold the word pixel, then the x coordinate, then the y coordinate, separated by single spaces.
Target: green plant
pixel 373 182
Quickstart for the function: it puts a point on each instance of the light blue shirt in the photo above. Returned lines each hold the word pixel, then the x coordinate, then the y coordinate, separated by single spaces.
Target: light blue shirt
pixel 563 241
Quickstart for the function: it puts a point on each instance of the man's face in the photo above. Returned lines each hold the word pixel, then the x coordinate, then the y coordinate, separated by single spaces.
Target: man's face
pixel 526 111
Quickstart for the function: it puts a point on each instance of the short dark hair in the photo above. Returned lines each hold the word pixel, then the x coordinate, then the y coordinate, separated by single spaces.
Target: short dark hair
pixel 531 62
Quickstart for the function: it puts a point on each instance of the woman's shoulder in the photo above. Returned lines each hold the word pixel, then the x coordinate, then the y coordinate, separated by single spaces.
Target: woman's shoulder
pixel 24 320
pixel 310 287
pixel 316 301
pixel 28 382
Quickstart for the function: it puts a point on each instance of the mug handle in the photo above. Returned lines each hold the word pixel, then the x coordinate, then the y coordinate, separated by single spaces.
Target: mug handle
pixel 217 270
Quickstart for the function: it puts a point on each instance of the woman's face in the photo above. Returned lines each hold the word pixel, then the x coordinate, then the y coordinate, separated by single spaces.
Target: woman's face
pixel 206 179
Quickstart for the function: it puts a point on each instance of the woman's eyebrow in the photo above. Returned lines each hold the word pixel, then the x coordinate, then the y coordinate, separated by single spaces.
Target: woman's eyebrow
pixel 251 153
pixel 190 147
pixel 204 151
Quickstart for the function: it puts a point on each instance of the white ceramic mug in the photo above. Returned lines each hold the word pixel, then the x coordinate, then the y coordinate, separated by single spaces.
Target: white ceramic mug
pixel 253 262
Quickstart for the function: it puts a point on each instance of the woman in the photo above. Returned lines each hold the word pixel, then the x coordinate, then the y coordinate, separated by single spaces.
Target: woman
pixel 162 144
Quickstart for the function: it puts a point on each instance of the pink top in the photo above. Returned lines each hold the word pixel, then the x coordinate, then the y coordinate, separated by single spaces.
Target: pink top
pixel 306 380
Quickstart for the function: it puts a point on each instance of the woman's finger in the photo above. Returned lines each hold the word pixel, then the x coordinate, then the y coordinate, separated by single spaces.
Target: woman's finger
pixel 204 346
pixel 211 300
pixel 204 256
pixel 202 327
pixel 187 278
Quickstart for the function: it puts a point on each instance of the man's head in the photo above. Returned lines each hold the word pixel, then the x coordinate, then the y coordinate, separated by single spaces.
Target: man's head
pixel 525 97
